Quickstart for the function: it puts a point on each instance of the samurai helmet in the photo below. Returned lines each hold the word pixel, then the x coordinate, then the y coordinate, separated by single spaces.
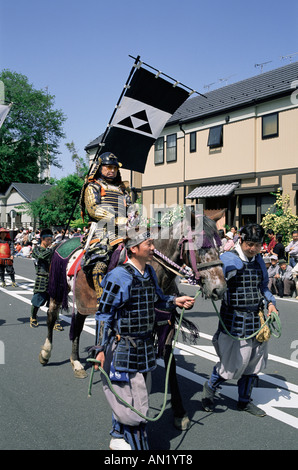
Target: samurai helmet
pixel 108 158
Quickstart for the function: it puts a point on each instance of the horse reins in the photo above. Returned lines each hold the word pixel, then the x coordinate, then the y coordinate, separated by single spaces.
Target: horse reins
pixel 170 265
pixel 175 268
pixel 196 267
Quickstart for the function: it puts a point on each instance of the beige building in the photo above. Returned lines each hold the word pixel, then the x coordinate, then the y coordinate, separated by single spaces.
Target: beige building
pixel 229 150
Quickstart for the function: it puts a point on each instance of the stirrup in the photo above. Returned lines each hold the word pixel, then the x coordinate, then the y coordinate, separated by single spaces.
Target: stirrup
pixel 33 322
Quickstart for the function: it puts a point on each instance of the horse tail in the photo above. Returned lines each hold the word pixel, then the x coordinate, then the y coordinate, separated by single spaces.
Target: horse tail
pixel 58 288
pixel 189 331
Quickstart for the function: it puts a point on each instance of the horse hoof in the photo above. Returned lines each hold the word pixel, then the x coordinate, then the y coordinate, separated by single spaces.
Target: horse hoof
pixel 80 374
pixel 42 360
pixel 182 423
pixel 78 369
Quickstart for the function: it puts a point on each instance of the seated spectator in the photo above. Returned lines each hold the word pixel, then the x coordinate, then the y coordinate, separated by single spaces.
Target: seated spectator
pixel 25 251
pixel 18 247
pixel 272 271
pixel 295 278
pixel 77 232
pixel 267 261
pixel 65 234
pixel 292 249
pixel 30 234
pixel 19 236
pixel 284 279
pixel 58 236
pixel 25 237
pixel 229 244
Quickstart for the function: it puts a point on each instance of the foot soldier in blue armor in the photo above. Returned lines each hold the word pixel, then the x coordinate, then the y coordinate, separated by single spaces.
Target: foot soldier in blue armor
pixel 241 359
pixel 126 348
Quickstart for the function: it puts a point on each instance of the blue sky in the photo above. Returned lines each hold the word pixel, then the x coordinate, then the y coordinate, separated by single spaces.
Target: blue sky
pixel 80 49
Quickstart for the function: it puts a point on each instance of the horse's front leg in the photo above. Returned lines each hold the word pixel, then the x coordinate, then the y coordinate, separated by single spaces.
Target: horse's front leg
pixel 181 420
pixel 52 315
pixel 78 368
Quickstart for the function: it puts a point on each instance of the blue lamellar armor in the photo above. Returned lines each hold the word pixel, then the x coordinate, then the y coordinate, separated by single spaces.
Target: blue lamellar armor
pixel 133 324
pixel 240 311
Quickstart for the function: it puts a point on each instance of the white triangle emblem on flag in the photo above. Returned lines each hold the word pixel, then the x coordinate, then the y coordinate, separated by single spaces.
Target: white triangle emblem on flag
pixel 140 117
pixel 137 122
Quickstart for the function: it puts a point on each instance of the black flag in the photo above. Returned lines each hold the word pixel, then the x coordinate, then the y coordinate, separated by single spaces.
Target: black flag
pixel 147 104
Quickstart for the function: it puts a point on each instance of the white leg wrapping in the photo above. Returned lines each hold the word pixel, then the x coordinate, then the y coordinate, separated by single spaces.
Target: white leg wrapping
pixel 46 350
pixel 78 368
pixel 76 365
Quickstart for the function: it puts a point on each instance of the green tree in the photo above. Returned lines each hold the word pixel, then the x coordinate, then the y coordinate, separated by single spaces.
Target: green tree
pixel 55 207
pixel 30 135
pixel 81 163
pixel 280 218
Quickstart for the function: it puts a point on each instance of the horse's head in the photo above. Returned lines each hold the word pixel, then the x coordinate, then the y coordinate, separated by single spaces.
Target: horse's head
pixel 200 251
pixel 198 248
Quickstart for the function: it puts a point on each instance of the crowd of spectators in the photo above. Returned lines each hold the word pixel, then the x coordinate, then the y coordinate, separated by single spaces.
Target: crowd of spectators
pixel 25 239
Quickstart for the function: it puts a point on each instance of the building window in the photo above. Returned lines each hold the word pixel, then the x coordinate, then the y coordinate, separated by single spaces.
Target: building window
pixel 267 203
pixel 248 210
pixel 193 142
pixel 253 208
pixel 159 151
pixel 270 126
pixel 172 148
pixel 215 138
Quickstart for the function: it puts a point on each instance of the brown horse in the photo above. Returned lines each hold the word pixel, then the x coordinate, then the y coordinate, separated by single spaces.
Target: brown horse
pixel 197 249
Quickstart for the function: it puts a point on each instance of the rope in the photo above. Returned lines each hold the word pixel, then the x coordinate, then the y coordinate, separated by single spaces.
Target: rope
pixel 272 318
pixel 171 262
pixel 156 418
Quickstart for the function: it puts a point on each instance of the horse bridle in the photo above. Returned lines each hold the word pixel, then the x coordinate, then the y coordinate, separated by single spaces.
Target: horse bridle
pixel 196 267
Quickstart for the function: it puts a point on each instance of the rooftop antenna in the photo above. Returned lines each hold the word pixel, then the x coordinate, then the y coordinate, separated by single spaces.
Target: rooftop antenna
pixel 226 79
pixel 262 65
pixel 209 85
pixel 289 56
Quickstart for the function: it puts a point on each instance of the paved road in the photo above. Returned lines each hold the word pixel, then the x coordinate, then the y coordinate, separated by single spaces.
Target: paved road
pixel 47 408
